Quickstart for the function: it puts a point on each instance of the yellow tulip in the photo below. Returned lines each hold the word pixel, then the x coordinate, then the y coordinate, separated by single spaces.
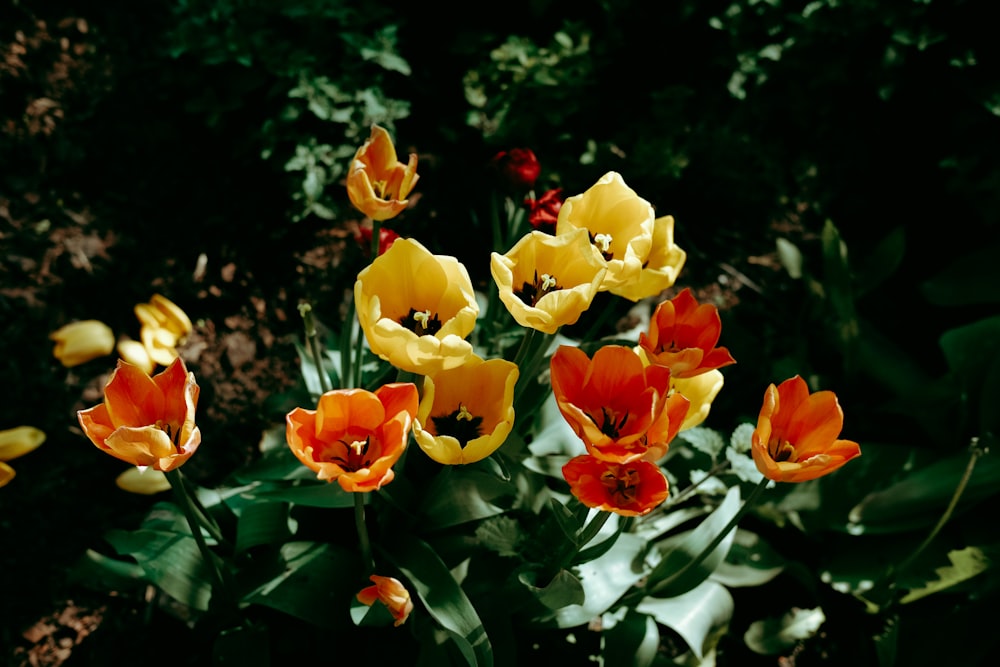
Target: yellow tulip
pixel 466 413
pixel 548 281
pixel 136 354
pixel 79 342
pixel 661 268
pixel 700 390
pixel 619 223
pixel 142 481
pixel 6 474
pixel 164 326
pixel 377 182
pixel 416 308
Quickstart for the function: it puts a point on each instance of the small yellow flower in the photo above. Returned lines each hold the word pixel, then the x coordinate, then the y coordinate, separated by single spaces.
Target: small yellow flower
pixel 619 224
pixel 700 390
pixel 79 342
pixel 164 326
pixel 377 182
pixel 548 281
pixel 466 413
pixel 416 308
pixel 14 443
pixel 661 268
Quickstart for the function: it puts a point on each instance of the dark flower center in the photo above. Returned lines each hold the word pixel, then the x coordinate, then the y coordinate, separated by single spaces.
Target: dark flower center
pixel 603 243
pixel 350 456
pixel 781 450
pixel 421 322
pixel 609 425
pixel 531 293
pixel 460 424
pixel 623 485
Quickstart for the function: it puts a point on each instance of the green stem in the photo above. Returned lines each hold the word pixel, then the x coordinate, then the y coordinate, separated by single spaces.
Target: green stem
pixel 376 233
pixel 312 338
pixel 359 521
pixel 697 560
pixel 346 349
pixel 683 495
pixel 183 498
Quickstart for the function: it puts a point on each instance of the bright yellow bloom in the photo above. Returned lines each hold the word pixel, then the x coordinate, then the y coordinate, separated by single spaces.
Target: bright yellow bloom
pixel 661 268
pixel 796 435
pixel 548 281
pixel 146 421
pixel 466 413
pixel 164 326
pixel 377 182
pixel 14 443
pixel 392 594
pixel 79 342
pixel 416 308
pixel 700 390
pixel 620 226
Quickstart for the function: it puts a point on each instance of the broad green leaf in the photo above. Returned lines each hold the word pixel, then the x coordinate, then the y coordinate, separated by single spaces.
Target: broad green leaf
pixel 171 561
pixel 971 279
pixel 444 599
pixel 464 494
pixel 97 571
pixel 837 283
pixel 882 261
pixel 750 562
pixel 633 640
pixel 965 348
pixel 774 635
pixel 563 590
pixel 316 584
pixel 262 523
pixel 693 615
pixel 672 576
pixel 306 493
pixel 500 534
pixel 965 564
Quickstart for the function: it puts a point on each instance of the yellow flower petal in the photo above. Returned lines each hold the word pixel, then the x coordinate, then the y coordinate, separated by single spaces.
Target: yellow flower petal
pixel 135 353
pixel 79 342
pixel 6 474
pixel 16 442
pixel 143 481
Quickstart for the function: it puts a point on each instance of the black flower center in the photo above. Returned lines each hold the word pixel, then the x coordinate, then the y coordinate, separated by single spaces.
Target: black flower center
pixel 421 322
pixel 460 424
pixel 609 424
pixel 531 293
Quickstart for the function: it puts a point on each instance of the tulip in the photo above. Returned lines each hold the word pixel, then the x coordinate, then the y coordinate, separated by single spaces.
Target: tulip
pixel 386 237
pixel 354 436
pixel 662 266
pixel 146 421
pixel 15 443
pixel 543 213
pixel 377 183
pixel 142 481
pixel 392 594
pixel 683 335
pixel 136 354
pixel 548 281
pixel 621 410
pixel 466 413
pixel 79 342
pixel 518 167
pixel 619 224
pixel 628 489
pixel 416 308
pixel 796 435
pixel 164 326
pixel 700 390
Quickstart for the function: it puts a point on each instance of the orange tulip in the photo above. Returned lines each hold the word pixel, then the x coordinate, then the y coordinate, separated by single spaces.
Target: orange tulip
pixel 354 436
pixel 392 594
pixel 796 435
pixel 628 489
pixel 620 409
pixel 682 336
pixel 146 421
pixel 377 182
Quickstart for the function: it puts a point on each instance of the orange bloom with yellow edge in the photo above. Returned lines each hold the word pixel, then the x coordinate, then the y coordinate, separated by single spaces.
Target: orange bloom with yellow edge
pixel 548 281
pixel 354 436
pixel 619 224
pixel 416 308
pixel 377 182
pixel 683 335
pixel 466 413
pixel 628 489
pixel 146 421
pixel 392 594
pixel 796 435
pixel 621 409
pixel 664 263
pixel 80 342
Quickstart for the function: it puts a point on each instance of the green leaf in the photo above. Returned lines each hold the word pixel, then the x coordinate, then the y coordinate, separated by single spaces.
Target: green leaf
pixel 245 646
pixel 262 523
pixel 750 562
pixel 970 280
pixel 315 584
pixel 882 261
pixel 170 561
pixel 634 640
pixel 306 493
pixel 462 494
pixel 966 347
pixel 98 571
pixel 669 577
pixel 561 591
pixel 693 615
pixel 500 534
pixel 774 635
pixel 965 564
pixel 444 599
pixel 704 440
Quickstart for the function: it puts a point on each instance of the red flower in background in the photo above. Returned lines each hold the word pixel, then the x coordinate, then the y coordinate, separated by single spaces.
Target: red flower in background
pixel 518 167
pixel 544 211
pixel 386 237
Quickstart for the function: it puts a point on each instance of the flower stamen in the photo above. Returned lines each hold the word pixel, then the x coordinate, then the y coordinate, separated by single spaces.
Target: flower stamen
pixel 421 322
pixel 531 293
